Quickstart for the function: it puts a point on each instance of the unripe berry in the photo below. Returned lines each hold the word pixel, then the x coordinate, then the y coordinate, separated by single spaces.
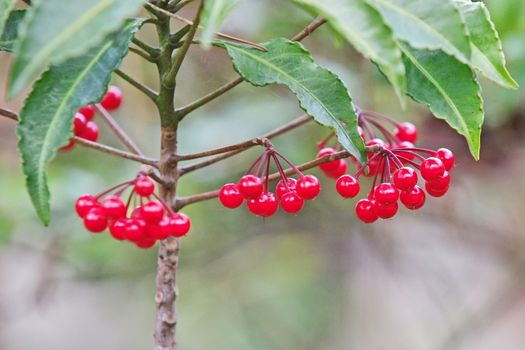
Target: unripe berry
pixel 413 198
pixel 386 193
pixel 347 186
pixel 447 157
pixel 90 132
pixel 144 186
pixel 181 224
pixel 385 210
pixel 250 186
pixel 405 178
pixel 95 220
pixel 291 202
pixel 432 168
pixel 112 99
pixel 281 189
pixel 88 112
pixel 152 212
pixel 406 132
pixel 230 196
pixel 364 209
pixel 114 207
pixel 85 203
pixel 308 187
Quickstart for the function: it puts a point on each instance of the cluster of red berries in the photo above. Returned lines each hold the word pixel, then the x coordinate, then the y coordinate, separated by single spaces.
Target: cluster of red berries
pixel 83 124
pixel 144 223
pixel 394 167
pixel 253 187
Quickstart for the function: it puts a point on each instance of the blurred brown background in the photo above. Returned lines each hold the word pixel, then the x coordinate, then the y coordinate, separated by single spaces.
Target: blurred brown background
pixel 449 276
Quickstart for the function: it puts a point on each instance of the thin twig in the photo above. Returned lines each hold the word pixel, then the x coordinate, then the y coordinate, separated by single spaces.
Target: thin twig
pixel 250 143
pixel 142 54
pixel 183 111
pixel 151 94
pixel 153 52
pixel 119 132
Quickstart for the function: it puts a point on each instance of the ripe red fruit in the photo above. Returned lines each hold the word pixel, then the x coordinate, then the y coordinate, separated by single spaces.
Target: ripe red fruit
pixel 272 205
pixel 375 142
pixel 291 202
pixel 406 132
pixel 180 224
pixel 441 183
pixel 135 230
pixel 230 196
pixel 144 186
pixel 79 124
pixel 405 178
pixel 281 189
pixel 114 207
pixel 329 166
pixel 84 204
pixel 435 192
pixel 146 243
pixel 88 111
pixel 68 146
pixel 386 193
pixel 259 205
pixel 152 212
pixel 447 157
pixel 341 170
pixel 371 168
pixel 118 229
pixel 407 154
pixel 112 99
pixel 347 186
pixel 385 210
pixel 364 209
pixel 308 187
pixel 95 220
pixel 413 198
pixel 250 186
pixel 432 168
pixel 160 230
pixel 90 132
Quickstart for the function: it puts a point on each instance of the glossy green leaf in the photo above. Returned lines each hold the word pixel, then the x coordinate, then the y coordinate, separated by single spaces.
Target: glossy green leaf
pixel 320 92
pixel 46 118
pixel 56 30
pixel 427 24
pixel 487 53
pixel 449 88
pixel 5 8
pixel 363 27
pixel 213 14
pixel 10 33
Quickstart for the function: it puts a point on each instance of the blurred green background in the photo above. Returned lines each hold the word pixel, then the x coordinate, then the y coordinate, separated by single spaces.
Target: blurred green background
pixel 449 276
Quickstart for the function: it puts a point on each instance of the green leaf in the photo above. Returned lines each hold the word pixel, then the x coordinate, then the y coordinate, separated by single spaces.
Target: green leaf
pixel 46 118
pixel 56 30
pixel 427 24
pixel 5 8
pixel 213 14
pixel 320 92
pixel 449 88
pixel 363 27
pixel 10 33
pixel 487 53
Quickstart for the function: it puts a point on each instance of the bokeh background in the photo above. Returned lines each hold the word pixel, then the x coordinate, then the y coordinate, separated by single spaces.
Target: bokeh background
pixel 449 276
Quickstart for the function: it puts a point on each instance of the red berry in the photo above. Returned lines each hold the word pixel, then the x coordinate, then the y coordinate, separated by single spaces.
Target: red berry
pixel 90 132
pixel 95 220
pixel 372 168
pixel 364 209
pixel 144 186
pixel 114 207
pixel 250 186
pixel 432 168
pixel 272 205
pixel 181 224
pixel 230 196
pixel 413 198
pixel 259 205
pixel 146 243
pixel 408 155
pixel 406 132
pixel 376 142
pixel 329 166
pixel 79 124
pixel 405 178
pixel 118 229
pixel 447 157
pixel 291 202
pixel 308 187
pixel 347 186
pixel 152 212
pixel 435 192
pixel 112 99
pixel 441 183
pixel 85 203
pixel 281 189
pixel 385 210
pixel 341 170
pixel 386 193
pixel 88 111
pixel 161 230
pixel 68 146
pixel 135 230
